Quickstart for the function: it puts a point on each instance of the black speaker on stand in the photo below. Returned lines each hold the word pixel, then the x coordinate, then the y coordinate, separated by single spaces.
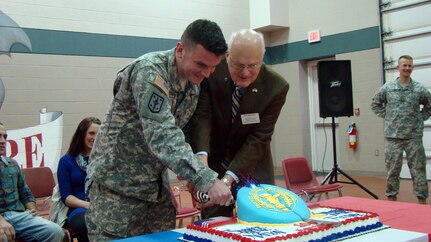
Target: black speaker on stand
pixel 335 88
pixel 336 100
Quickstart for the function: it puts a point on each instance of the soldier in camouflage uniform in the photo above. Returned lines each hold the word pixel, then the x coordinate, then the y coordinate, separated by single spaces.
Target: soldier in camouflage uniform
pixel 142 136
pixel 398 102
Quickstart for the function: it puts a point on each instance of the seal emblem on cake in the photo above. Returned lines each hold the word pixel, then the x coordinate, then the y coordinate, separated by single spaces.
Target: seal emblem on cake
pixel 273 199
pixel 268 204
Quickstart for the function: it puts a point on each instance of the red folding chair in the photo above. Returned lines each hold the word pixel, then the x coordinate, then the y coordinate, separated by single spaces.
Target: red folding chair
pixel 182 211
pixel 301 180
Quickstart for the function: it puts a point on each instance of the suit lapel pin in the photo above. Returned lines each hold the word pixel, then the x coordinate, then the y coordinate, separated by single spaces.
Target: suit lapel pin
pixel 254 90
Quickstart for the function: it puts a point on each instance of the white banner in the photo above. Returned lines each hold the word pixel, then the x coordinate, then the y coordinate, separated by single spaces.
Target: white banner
pixel 40 145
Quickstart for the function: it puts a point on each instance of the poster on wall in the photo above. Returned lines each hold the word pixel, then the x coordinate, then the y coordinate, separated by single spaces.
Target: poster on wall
pixel 39 145
pixel 10 34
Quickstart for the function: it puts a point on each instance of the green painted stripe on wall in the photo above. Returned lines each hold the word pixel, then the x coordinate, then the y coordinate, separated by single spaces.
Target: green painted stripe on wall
pixel 363 39
pixel 106 45
pixel 91 44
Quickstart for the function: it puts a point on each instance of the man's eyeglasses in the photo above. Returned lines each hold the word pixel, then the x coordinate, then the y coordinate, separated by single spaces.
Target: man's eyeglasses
pixel 240 67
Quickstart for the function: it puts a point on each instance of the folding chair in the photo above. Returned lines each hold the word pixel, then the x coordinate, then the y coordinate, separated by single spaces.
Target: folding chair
pixel 301 180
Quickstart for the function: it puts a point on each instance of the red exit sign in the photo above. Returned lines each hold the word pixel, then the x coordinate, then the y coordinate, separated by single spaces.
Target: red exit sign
pixel 314 36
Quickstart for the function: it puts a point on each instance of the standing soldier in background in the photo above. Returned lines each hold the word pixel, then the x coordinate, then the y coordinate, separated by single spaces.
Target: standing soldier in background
pixel 141 137
pixel 399 103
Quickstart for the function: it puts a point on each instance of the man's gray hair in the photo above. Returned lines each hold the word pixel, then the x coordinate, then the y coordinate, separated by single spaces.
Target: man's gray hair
pixel 249 34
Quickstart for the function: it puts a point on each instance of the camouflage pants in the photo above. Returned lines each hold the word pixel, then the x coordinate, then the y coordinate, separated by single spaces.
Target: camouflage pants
pixel 416 161
pixel 113 216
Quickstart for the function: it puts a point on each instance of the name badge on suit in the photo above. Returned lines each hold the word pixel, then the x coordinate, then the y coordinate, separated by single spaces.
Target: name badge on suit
pixel 250 118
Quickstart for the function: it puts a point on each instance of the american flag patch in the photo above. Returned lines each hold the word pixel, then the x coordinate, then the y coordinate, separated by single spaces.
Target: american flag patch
pixel 161 84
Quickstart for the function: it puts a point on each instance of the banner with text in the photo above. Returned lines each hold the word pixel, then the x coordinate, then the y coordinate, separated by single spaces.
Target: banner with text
pixel 40 145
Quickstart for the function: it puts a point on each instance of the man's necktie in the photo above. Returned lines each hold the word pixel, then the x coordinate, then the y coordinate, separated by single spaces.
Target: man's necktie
pixel 236 101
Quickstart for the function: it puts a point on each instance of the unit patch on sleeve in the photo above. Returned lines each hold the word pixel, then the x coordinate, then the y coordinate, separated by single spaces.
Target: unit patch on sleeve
pixel 156 102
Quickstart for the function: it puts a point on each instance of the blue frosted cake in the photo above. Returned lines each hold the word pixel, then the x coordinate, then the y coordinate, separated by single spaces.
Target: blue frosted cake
pixel 267 204
pixel 270 213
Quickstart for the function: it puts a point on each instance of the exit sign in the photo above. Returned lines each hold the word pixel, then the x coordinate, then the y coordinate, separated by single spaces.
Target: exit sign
pixel 314 36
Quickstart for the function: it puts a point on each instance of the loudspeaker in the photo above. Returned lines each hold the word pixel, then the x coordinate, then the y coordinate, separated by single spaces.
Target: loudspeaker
pixel 335 88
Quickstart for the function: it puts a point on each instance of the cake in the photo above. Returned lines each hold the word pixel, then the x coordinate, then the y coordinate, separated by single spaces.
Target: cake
pixel 267 204
pixel 270 213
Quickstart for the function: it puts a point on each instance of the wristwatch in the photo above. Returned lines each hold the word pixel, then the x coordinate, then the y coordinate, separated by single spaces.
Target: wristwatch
pixel 226 181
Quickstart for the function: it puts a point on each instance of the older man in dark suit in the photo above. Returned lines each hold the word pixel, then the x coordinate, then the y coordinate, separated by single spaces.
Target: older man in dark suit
pixel 237 110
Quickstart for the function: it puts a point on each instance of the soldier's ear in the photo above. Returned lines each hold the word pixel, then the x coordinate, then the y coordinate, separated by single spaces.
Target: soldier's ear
pixel 179 50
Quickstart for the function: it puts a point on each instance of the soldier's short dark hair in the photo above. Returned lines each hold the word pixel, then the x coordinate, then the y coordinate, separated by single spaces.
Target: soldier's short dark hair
pixel 405 57
pixel 206 33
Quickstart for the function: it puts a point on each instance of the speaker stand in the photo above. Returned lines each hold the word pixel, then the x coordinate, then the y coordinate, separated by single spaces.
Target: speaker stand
pixel 332 176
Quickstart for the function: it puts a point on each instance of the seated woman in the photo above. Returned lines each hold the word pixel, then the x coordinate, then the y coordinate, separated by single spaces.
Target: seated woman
pixel 71 174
